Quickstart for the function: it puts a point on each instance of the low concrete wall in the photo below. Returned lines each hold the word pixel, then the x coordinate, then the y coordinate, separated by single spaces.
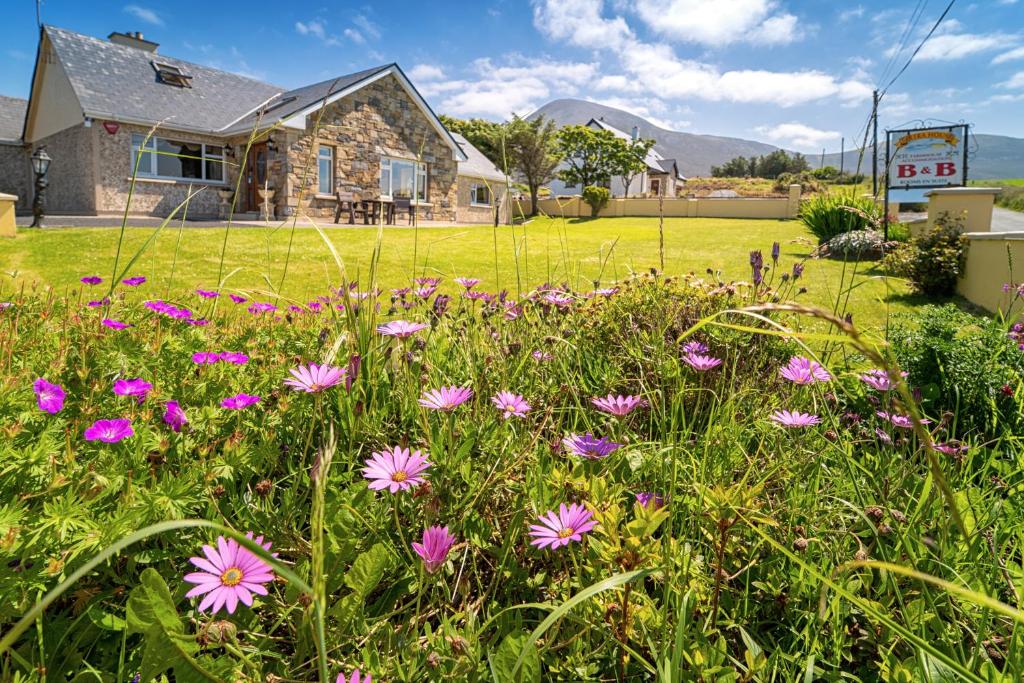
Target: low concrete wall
pixel 7 226
pixel 989 255
pixel 683 207
pixel 975 203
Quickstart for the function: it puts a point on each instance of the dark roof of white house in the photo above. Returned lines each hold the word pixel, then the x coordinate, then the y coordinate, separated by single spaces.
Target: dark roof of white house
pixel 120 82
pixel 12 118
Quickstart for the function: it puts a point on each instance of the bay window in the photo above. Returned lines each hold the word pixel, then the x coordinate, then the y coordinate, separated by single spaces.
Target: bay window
pixel 177 160
pixel 402 178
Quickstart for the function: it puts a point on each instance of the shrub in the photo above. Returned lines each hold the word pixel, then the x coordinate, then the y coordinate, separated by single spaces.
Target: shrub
pixel 596 197
pixel 831 214
pixel 961 364
pixel 1011 198
pixel 932 261
pixel 857 245
pixel 807 182
pixel 825 173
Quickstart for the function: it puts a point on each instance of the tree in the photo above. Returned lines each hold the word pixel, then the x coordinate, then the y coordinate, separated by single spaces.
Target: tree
pixel 533 153
pixel 630 161
pixel 768 166
pixel 738 167
pixel 486 136
pixel 590 154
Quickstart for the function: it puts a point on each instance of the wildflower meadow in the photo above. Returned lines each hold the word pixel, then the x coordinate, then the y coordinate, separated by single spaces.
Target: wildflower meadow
pixel 658 479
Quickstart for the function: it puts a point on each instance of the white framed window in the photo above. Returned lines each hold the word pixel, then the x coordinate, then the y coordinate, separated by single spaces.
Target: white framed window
pixel 479 194
pixel 325 168
pixel 177 159
pixel 402 178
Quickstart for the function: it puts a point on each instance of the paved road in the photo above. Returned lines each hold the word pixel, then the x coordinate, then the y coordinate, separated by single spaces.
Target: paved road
pixel 1004 220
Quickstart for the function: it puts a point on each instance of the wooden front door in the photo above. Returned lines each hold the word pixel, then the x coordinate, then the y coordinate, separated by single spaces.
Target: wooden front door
pixel 255 175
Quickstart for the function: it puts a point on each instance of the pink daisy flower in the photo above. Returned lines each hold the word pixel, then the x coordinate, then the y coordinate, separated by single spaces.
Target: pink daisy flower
pixel 879 380
pixel 434 548
pixel 804 371
pixel 510 405
pixel 49 397
pixel 109 431
pixel 315 378
pixel 701 363
pixel 355 677
pixel 137 388
pixel 589 446
pixel 396 469
pixel 901 421
pixel 569 525
pixel 694 347
pixel 239 401
pixel 114 324
pixel 400 328
pixel 467 282
pixel 620 406
pixel 230 573
pixel 446 398
pixel 542 356
pixel 794 419
pixel 950 448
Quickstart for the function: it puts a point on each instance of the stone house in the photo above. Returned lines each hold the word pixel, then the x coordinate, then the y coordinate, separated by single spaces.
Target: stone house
pixel 110 110
pixel 660 178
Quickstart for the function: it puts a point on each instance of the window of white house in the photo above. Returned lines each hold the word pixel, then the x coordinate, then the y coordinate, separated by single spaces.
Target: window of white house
pixel 479 195
pixel 398 178
pixel 176 159
pixel 325 166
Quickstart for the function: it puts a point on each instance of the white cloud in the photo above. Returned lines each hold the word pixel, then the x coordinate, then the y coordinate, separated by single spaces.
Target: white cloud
pixel 799 135
pixel 652 109
pixel 311 28
pixel 720 22
pixel 901 105
pixel 354 35
pixel 1009 55
pixel 959 45
pixel 1016 81
pixel 580 22
pixel 367 27
pixel 852 13
pixel 426 72
pixel 144 14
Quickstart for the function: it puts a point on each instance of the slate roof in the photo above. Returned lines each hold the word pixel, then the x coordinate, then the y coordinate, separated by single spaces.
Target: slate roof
pixel 476 164
pixel 119 82
pixel 671 166
pixel 12 118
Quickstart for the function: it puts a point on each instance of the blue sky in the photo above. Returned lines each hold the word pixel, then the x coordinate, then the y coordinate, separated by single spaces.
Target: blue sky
pixel 794 73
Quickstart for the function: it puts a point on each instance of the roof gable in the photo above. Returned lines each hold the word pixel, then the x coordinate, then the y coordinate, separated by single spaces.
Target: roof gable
pixel 476 164
pixel 12 118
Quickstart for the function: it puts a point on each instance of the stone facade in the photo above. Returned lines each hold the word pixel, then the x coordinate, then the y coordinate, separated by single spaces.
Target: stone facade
pixel 72 173
pixel 377 120
pixel 484 215
pixel 152 196
pixel 16 174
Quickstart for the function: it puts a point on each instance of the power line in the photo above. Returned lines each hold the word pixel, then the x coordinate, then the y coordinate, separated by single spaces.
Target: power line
pixel 920 45
pixel 908 31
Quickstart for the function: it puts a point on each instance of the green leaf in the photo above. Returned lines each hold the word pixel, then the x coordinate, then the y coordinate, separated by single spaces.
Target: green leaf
pixel 368 570
pixel 166 647
pixel 106 620
pixel 516 647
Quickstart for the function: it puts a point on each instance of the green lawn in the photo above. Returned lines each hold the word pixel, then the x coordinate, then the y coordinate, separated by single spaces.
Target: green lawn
pixel 579 251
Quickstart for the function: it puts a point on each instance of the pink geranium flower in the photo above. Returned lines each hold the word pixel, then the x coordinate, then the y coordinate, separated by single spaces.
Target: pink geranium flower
pixel 400 328
pixel 133 281
pixel 446 398
pixel 700 362
pixel 205 358
pixel 804 371
pixel 92 280
pixel 234 358
pixel 555 531
pixel 315 378
pixel 174 416
pixel 115 325
pixel 207 293
pixel 237 299
pixel 620 406
pixel 510 405
pixel 434 548
pixel 109 431
pixel 239 401
pixel 230 573
pixel 49 397
pixel 137 388
pixel 794 419
pixel 396 469
pixel 356 677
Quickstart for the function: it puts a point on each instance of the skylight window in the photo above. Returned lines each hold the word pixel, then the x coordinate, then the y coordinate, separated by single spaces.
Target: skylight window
pixel 172 75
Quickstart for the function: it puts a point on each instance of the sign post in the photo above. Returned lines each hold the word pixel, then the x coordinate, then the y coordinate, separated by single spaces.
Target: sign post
pixel 920 159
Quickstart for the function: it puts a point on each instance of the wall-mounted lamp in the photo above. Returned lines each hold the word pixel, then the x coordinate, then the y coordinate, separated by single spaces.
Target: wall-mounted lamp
pixel 271 145
pixel 229 150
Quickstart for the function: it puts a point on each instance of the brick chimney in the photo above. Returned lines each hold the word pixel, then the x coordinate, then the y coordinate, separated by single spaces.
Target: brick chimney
pixel 133 39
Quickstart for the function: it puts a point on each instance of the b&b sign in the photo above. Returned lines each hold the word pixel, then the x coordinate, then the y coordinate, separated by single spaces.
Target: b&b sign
pixel 927 157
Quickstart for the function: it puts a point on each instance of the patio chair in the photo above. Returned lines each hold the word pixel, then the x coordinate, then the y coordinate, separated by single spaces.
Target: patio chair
pixel 346 205
pixel 402 204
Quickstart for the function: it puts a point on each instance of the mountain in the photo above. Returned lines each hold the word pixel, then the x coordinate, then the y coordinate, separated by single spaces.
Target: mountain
pixel 996 156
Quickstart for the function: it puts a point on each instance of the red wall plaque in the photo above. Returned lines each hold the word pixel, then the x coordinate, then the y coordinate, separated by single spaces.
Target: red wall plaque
pixel 111 126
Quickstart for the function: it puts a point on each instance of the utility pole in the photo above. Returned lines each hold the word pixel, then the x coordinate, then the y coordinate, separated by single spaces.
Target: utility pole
pixel 874 144
pixel 822 158
pixel 842 155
